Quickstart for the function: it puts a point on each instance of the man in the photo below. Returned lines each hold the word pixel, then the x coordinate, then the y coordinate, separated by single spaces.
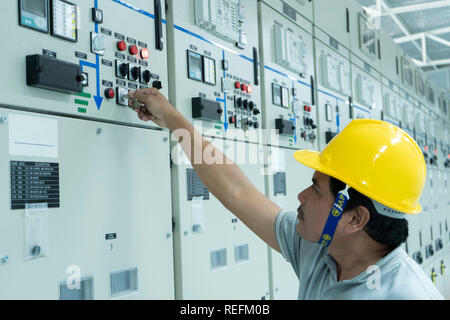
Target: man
pixel 354 254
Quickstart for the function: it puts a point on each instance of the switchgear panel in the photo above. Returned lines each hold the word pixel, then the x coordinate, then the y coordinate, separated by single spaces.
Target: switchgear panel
pixel 431 96
pixel 282 187
pixel 366 89
pixel 80 59
pixel 407 69
pixel 392 109
pixel 421 132
pixel 214 55
pixel 334 104
pixel 407 113
pixel 333 18
pixel 76 221
pixel 420 86
pixel 288 76
pixel 364 35
pixel 216 255
pixel 390 62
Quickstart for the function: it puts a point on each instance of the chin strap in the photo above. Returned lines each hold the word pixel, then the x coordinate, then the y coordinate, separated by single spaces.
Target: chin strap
pixel 334 217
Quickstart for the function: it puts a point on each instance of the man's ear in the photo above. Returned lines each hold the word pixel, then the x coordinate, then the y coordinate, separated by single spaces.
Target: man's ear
pixel 355 219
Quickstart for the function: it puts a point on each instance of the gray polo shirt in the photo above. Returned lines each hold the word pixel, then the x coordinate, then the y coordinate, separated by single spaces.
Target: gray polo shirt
pixel 399 276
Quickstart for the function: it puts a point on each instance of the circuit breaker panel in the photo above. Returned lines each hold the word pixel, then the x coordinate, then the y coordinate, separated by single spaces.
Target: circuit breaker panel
pixel 76 221
pixel 216 255
pixel 367 97
pixel 288 76
pixel 214 69
pixel 334 106
pixel 285 179
pixel 80 58
pixel 392 111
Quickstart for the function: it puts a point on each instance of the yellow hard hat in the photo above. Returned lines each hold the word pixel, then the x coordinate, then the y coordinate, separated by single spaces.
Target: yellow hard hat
pixel 375 158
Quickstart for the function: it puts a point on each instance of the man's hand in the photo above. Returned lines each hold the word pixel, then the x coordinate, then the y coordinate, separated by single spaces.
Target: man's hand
pixel 156 107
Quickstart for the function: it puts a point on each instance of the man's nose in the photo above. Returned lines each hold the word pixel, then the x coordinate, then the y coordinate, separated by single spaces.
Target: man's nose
pixel 302 196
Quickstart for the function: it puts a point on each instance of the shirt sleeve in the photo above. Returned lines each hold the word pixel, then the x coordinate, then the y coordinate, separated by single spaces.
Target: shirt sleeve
pixel 288 238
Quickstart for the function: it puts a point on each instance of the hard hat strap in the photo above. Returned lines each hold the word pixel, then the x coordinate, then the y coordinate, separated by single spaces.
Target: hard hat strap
pixel 334 217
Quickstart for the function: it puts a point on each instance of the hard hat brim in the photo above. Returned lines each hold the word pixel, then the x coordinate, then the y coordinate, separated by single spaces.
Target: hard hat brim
pixel 311 159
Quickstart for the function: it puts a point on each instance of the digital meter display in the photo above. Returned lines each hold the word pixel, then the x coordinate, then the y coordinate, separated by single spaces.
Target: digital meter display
pixel 276 94
pixel 34 14
pixel 209 70
pixel 64 20
pixel 195 68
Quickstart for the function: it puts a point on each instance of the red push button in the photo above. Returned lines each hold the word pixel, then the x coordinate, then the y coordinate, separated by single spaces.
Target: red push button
pixel 249 89
pixel 243 87
pixel 109 93
pixel 237 84
pixel 121 45
pixel 305 108
pixel 309 109
pixel 144 53
pixel 133 50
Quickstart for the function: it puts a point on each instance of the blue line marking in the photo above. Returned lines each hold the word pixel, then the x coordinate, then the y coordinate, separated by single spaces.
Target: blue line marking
pixel 331 95
pixel 276 71
pixel 192 34
pixel 391 122
pixel 304 83
pixel 129 6
pixel 365 110
pixel 293 112
pixel 225 123
pixel 87 64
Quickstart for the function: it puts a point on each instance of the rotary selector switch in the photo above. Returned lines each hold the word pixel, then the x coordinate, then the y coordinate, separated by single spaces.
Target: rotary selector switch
pixel 134 73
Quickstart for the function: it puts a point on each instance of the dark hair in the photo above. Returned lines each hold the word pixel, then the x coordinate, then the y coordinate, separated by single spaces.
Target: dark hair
pixel 385 230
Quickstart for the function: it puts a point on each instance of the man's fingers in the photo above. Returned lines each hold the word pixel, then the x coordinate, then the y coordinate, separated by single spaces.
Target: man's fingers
pixel 142 94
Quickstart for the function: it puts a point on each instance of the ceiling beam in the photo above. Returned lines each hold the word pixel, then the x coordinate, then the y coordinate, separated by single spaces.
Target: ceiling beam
pixel 417 36
pixel 382 4
pixel 431 63
pixel 438 39
pixel 416 7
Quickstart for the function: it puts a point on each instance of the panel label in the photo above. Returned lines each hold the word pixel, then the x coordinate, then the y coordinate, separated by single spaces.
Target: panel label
pixel 34 182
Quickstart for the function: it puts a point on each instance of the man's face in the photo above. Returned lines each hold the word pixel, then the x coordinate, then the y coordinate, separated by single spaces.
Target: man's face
pixel 315 205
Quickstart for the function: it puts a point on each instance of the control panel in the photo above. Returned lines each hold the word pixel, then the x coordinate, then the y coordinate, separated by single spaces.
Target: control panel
pixel 364 35
pixel 407 113
pixel 367 97
pixel 334 103
pixel 420 87
pixel 214 67
pixel 407 74
pixel 80 59
pixel 392 111
pixel 288 78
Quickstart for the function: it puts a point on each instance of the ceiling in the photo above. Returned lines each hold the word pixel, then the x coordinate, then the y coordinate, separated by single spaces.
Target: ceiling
pixel 410 22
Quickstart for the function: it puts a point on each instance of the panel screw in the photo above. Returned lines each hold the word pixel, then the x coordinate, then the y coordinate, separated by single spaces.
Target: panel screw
pixel 4 259
pixel 99 130
pixel 3 119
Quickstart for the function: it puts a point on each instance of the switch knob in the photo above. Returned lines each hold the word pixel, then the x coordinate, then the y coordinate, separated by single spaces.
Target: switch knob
pixel 256 111
pixel 109 93
pixel 134 73
pixel 146 76
pixel 123 70
pixel 157 84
